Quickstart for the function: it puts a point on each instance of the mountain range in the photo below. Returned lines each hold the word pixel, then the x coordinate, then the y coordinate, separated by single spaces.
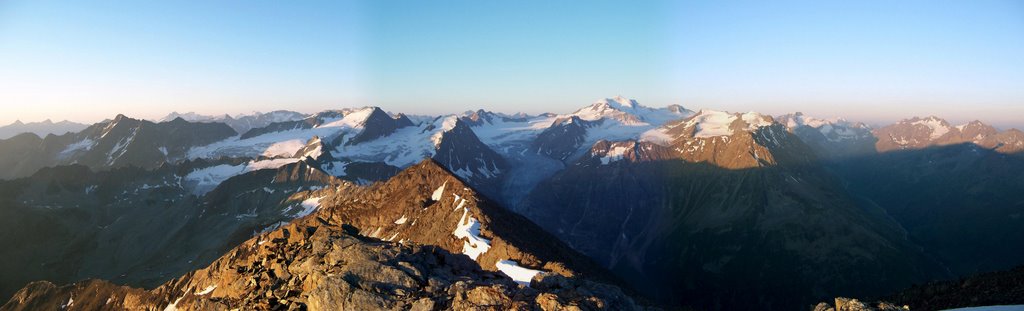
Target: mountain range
pixel 614 205
pixel 240 123
pixel 41 129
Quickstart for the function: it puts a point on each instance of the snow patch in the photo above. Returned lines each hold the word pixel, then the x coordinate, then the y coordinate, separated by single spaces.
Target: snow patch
pixel 462 203
pixel 355 119
pixel 71 302
pixel 309 206
pixel 207 290
pixel 521 275
pixel 174 306
pixel 208 178
pixel 401 220
pixel 469 228
pixel 658 136
pixel 286 148
pixel 614 154
pixel 710 123
pixel 315 153
pixel 936 125
pixel 272 228
pixel 84 145
pixel 439 192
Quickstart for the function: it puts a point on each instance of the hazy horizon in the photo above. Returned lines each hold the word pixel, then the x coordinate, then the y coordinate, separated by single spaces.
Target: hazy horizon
pixel 874 123
pixel 874 62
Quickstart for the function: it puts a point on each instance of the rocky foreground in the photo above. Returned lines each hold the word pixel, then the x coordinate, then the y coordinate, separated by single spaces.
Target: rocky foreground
pixel 323 267
pixel 849 304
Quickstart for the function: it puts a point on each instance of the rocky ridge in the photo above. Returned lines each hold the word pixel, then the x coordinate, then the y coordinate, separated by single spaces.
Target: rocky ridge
pixel 334 259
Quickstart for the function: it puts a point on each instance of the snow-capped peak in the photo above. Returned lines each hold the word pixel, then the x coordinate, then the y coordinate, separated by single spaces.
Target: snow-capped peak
pixel 798 119
pixel 621 103
pixel 612 109
pixel 936 125
pixel 352 119
pixel 834 129
pixel 711 123
pixel 630 112
pixel 447 124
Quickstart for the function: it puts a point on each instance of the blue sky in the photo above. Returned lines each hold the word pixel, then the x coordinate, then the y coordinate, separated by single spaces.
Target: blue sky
pixel 873 61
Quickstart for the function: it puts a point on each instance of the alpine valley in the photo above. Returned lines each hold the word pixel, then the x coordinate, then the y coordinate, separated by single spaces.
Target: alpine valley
pixel 613 206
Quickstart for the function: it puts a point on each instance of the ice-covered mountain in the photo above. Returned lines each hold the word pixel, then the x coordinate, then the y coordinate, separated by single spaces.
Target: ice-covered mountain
pixel 240 123
pixel 479 145
pixel 728 140
pixel 41 129
pixel 629 112
pixel 831 138
pixel 120 142
pixel 833 129
pixel 918 133
pixel 614 118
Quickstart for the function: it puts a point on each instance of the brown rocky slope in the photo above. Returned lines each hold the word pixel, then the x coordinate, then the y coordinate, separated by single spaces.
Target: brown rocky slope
pixel 322 262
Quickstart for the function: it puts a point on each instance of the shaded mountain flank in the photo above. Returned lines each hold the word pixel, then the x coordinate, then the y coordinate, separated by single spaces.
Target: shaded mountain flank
pixel 742 219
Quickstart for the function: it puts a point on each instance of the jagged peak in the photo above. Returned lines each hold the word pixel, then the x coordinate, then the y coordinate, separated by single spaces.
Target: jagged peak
pixel 375 114
pixel 315 149
pixel 303 170
pixel 480 117
pixel 109 125
pixel 404 120
pixel 451 125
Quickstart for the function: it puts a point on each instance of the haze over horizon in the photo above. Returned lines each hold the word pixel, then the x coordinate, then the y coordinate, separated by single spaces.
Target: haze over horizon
pixel 873 62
